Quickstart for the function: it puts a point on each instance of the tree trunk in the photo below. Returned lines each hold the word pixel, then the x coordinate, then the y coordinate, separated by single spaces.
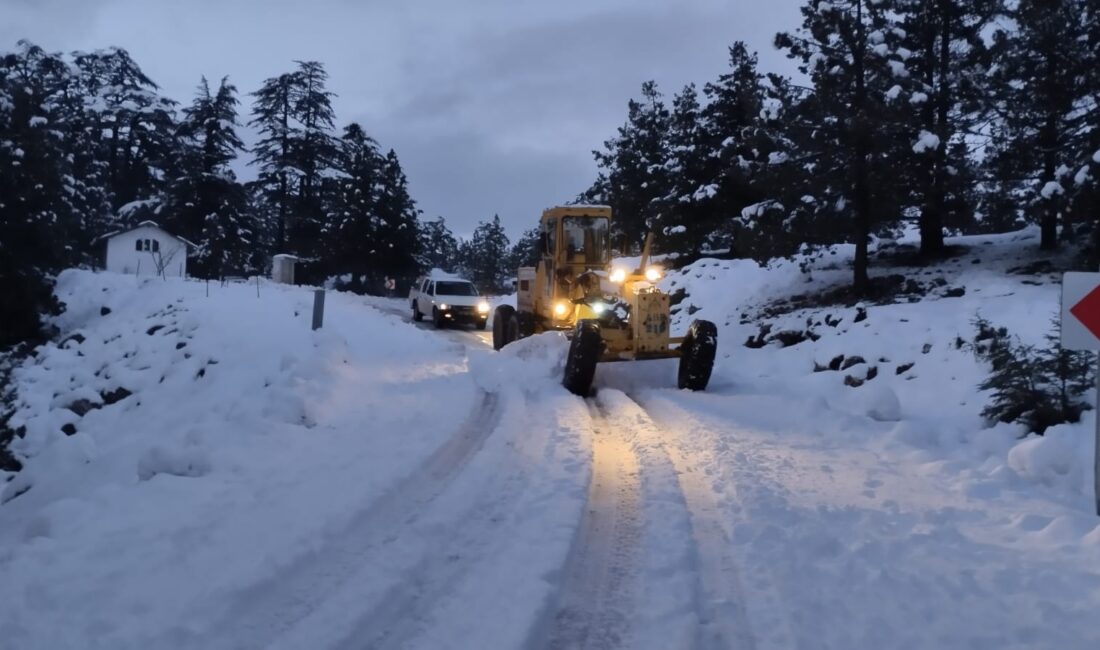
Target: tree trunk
pixel 1048 227
pixel 862 219
pixel 935 121
pixel 861 190
pixel 282 213
pixel 1048 224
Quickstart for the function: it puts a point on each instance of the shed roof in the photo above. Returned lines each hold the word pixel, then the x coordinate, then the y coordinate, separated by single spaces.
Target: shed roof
pixel 146 224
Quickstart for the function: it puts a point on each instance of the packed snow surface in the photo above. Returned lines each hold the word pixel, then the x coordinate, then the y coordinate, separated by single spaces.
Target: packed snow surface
pixel 378 484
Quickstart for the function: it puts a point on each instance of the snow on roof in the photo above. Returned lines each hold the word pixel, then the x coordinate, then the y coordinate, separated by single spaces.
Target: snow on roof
pixel 147 224
pixel 285 256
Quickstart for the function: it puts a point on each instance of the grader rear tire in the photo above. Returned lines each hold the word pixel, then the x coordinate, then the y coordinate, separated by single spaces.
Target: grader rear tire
pixel 697 355
pixel 505 326
pixel 584 353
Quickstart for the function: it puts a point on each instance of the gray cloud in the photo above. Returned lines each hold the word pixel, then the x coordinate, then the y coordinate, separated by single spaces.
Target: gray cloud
pixel 493 106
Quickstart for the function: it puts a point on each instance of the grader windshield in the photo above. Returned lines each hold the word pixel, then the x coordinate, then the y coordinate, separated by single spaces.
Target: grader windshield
pixel 586 240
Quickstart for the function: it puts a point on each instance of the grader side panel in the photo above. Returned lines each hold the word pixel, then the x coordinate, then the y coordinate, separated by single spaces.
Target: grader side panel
pixel 525 289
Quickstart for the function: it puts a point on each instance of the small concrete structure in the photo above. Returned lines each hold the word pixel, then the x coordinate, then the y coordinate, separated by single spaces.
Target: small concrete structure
pixel 147 249
pixel 282 268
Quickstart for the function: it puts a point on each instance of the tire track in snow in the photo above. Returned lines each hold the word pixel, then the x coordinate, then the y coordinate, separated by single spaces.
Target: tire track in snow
pixel 723 622
pixel 269 609
pixel 406 607
pixel 593 605
pixel 713 525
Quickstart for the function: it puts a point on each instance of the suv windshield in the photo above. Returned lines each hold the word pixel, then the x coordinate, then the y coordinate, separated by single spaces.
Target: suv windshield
pixel 455 289
pixel 586 236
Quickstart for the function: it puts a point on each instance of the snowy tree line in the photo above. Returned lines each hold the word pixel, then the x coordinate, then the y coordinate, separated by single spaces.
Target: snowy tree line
pixel 953 116
pixel 487 258
pixel 89 146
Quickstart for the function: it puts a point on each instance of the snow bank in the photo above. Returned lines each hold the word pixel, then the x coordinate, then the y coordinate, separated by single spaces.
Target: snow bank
pixel 214 439
pixel 855 461
pixel 1062 458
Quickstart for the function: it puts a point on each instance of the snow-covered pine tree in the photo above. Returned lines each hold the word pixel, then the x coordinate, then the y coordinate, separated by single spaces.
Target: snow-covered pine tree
pixel 848 48
pixel 686 217
pixel 526 251
pixel 135 125
pixel 737 142
pixel 1085 197
pixel 485 256
pixel 398 239
pixel 273 116
pixel 314 155
pixel 797 207
pixel 89 192
pixel 37 222
pixel 632 169
pixel 940 106
pixel 1039 86
pixel 354 221
pixel 438 246
pixel 295 155
pixel 204 202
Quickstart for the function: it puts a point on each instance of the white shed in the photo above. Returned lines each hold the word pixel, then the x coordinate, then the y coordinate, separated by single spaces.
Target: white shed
pixel 282 268
pixel 148 249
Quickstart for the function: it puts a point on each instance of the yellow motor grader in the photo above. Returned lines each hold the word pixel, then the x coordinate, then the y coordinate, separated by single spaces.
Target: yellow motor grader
pixel 610 313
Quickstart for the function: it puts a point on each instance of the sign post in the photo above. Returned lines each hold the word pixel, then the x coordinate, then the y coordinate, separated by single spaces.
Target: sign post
pixel 318 308
pixel 1081 331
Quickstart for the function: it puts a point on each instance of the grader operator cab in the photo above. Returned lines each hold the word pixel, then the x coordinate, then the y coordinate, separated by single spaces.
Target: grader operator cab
pixel 609 313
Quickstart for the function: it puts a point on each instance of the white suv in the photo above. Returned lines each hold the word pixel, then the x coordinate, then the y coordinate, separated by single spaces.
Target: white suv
pixel 448 299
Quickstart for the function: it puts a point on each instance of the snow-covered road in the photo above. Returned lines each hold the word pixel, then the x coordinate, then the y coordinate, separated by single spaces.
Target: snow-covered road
pixel 381 485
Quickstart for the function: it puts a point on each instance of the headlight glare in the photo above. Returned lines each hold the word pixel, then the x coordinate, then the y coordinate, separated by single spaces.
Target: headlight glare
pixel 561 309
pixel 483 307
pixel 653 274
pixel 618 275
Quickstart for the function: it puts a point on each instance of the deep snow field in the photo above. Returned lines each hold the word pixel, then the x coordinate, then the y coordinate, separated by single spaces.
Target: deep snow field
pixel 376 484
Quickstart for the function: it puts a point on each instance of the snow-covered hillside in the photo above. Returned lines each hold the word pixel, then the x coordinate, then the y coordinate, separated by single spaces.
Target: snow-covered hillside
pixel 248 446
pixel 378 484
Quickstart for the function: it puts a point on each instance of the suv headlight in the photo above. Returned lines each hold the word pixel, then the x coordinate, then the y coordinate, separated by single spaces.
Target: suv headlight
pixel 483 307
pixel 443 306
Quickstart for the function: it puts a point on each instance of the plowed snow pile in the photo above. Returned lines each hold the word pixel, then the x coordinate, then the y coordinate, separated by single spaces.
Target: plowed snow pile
pixel 872 507
pixel 245 439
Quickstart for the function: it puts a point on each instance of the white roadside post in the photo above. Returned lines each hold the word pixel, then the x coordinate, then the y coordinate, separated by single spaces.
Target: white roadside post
pixel 1081 331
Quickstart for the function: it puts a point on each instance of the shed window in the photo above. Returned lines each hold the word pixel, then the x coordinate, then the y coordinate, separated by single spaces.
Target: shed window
pixel 156 245
pixel 137 245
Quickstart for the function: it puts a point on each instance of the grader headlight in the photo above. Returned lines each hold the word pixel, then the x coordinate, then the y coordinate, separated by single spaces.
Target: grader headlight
pixel 618 276
pixel 653 273
pixel 561 308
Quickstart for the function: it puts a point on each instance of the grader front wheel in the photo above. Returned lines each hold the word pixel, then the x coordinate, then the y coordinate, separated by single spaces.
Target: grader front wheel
pixel 584 353
pixel 697 355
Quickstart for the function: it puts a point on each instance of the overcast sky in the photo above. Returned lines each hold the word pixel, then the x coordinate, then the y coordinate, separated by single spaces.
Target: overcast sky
pixel 493 106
